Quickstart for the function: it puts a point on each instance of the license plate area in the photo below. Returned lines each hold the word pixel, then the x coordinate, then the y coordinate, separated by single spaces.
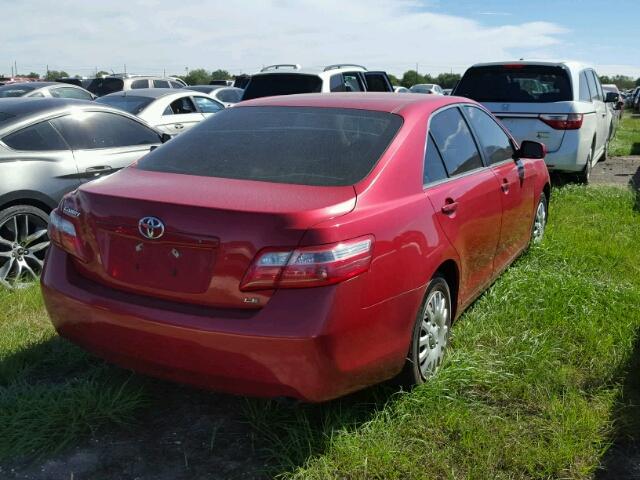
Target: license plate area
pixel 165 266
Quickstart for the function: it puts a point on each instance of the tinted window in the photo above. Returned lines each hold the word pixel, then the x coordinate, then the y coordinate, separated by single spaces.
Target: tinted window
pixel 516 83
pixel 161 84
pixel 67 92
pixel 105 86
pixel 433 165
pixel 39 137
pixel 140 84
pixel 495 143
pixel 230 96
pixel 454 140
pixel 352 82
pixel 585 94
pixel 281 84
pixel 592 85
pixel 180 106
pixel 596 81
pixel 131 104
pixel 206 105
pixel 90 130
pixel 15 90
pixel 335 83
pixel 176 85
pixel 376 82
pixel 299 145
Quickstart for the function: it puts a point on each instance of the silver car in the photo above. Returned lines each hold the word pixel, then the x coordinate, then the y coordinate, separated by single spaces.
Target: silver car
pixel 226 95
pixel 48 147
pixel 45 89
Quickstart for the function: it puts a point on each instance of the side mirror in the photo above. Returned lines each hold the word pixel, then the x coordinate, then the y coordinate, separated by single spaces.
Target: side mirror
pixel 533 150
pixel 165 137
pixel 611 97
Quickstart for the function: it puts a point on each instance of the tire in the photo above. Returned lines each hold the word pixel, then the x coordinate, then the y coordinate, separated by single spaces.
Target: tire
pixel 23 244
pixel 605 153
pixel 585 176
pixel 539 220
pixel 433 326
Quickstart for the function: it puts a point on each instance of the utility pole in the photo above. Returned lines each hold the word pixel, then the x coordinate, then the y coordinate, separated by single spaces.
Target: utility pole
pixel 416 73
pixel 125 68
pixel 15 63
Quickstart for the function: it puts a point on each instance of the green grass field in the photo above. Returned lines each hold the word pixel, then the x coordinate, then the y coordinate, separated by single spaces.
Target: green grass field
pixel 627 139
pixel 531 389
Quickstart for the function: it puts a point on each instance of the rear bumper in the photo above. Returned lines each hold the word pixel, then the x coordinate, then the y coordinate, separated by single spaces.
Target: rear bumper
pixel 310 344
pixel 572 154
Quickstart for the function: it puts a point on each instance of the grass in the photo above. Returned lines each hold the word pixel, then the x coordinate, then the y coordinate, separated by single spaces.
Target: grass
pixel 532 386
pixel 51 393
pixel 627 139
pixel 531 389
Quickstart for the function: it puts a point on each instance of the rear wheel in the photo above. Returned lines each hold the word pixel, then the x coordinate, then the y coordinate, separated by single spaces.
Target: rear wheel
pixel 585 175
pixel 23 244
pixel 430 336
pixel 540 220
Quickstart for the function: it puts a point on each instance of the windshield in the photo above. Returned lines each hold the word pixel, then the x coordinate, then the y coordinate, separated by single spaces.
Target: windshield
pixel 268 85
pixel 518 83
pixel 16 90
pixel 298 145
pixel 105 86
pixel 131 104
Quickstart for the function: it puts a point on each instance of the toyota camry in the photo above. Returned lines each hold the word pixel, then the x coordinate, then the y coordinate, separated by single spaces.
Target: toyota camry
pixel 302 246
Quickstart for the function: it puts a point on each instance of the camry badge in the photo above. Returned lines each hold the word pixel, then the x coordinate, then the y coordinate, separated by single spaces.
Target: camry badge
pixel 151 227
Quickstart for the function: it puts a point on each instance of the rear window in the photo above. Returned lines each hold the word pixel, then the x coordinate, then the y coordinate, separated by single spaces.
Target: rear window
pixel 7 91
pixel 296 145
pixel 516 84
pixel 105 86
pixel 281 84
pixel 131 104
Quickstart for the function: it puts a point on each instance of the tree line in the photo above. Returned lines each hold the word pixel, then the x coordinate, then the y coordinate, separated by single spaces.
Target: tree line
pixel 201 76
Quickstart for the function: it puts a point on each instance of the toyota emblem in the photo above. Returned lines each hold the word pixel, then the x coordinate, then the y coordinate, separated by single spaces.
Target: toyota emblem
pixel 151 227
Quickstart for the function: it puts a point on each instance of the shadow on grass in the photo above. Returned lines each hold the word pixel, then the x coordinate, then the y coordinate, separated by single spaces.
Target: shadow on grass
pixel 622 460
pixel 635 148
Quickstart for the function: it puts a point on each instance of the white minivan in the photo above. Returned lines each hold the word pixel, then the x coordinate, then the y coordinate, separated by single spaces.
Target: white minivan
pixel 559 104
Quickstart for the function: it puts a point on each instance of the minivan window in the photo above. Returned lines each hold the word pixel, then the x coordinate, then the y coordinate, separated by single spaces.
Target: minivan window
pixel 518 83
pixel 294 145
pixel 495 143
pixel 597 84
pixel 281 84
pixel 161 84
pixel 140 84
pixel 455 142
pixel 585 94
pixel 592 85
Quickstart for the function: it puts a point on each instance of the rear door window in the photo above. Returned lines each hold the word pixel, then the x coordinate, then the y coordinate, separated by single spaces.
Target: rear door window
pixel 495 143
pixel 267 85
pixel 585 94
pixel 377 82
pixel 517 83
pixel 36 138
pixel 455 142
pixel 295 145
pixel 433 164
pixel 140 84
pixel 592 85
pixel 352 82
pixel 181 106
pixel 176 84
pixel 229 96
pixel 93 130
pixel 161 84
pixel 206 105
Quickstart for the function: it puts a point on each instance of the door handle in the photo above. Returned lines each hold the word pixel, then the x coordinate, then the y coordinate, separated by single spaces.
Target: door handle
pixel 179 126
pixel 99 169
pixel 450 206
pixel 505 185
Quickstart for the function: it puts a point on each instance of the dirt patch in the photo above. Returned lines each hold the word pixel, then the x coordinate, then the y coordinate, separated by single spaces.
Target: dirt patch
pixel 617 171
pixel 186 434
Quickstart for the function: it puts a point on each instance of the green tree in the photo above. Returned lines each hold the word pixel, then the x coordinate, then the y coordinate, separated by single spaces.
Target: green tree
pixel 447 80
pixel 102 73
pixel 220 75
pixel 410 78
pixel 393 79
pixel 198 76
pixel 55 74
pixel 33 75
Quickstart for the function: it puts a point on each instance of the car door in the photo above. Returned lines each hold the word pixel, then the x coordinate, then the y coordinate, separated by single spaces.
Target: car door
pixel 516 178
pixel 602 121
pixel 207 106
pixel 104 142
pixel 467 203
pixel 179 116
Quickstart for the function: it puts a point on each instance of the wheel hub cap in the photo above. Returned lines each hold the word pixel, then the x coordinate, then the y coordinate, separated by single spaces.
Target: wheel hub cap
pixel 434 333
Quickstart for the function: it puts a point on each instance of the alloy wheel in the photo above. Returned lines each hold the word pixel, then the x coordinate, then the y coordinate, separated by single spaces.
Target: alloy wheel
pixel 23 244
pixel 434 333
pixel 540 221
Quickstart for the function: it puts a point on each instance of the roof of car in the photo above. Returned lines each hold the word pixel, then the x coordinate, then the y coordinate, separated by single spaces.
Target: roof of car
pixel 148 92
pixel 26 106
pixel 570 64
pixel 35 85
pixel 378 101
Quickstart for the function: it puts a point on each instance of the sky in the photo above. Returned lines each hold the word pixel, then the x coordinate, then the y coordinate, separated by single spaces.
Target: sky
pixel 169 36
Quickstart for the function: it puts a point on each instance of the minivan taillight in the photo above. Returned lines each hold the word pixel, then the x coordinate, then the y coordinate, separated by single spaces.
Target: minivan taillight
pixel 309 266
pixel 62 232
pixel 572 121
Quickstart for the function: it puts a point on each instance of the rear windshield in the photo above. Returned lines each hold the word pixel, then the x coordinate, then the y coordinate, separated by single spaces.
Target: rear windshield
pixel 105 86
pixel 516 83
pixel 7 91
pixel 131 104
pixel 298 145
pixel 281 84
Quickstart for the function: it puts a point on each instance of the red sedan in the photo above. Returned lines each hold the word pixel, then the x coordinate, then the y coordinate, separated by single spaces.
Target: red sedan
pixel 303 246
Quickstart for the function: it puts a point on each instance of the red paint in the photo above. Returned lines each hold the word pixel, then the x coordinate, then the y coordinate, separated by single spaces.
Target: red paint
pixel 196 325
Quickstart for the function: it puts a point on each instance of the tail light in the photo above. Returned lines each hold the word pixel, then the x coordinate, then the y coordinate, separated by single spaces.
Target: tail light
pixel 63 233
pixel 309 266
pixel 572 121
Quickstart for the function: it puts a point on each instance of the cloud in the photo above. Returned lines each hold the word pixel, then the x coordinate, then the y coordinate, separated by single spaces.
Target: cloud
pixel 152 35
